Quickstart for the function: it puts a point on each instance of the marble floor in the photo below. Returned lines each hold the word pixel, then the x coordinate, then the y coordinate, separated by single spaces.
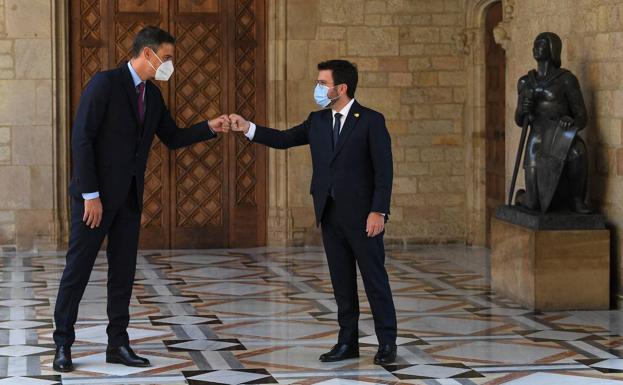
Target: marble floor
pixel 262 316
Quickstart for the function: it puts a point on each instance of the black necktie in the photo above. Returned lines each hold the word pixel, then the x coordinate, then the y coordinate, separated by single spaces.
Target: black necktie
pixel 336 129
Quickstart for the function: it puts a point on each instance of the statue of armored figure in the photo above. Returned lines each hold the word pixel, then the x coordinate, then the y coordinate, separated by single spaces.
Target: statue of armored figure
pixel 556 157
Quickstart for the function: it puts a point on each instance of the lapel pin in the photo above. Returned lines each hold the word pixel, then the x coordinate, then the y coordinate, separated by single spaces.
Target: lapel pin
pixel 356 114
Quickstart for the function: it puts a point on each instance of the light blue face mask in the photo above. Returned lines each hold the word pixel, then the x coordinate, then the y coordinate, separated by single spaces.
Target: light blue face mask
pixel 321 94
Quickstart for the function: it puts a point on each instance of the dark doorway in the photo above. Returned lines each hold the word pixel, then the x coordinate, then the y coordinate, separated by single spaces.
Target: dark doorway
pixel 495 62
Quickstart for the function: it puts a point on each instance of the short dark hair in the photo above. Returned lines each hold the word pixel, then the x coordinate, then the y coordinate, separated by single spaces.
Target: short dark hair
pixel 344 72
pixel 151 37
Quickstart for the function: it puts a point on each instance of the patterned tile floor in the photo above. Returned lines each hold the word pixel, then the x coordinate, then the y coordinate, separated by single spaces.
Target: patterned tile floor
pixel 262 316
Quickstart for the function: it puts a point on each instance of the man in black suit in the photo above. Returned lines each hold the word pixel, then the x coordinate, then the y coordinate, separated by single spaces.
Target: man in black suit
pixel 351 187
pixel 120 110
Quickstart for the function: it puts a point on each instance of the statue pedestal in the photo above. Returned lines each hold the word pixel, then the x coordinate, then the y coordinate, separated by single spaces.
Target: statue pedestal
pixel 544 268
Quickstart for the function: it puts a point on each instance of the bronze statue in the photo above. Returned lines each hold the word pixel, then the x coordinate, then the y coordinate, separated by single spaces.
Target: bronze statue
pixel 556 158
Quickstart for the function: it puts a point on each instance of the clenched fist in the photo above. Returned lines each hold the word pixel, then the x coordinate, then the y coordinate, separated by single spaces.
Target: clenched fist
pixel 527 105
pixel 566 122
pixel 220 124
pixel 238 123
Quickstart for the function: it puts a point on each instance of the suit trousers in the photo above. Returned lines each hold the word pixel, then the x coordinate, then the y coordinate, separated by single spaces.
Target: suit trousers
pixel 346 247
pixel 122 227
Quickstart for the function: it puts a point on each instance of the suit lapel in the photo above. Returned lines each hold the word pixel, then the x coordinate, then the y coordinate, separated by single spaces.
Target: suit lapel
pixel 150 96
pixel 349 126
pixel 327 128
pixel 131 91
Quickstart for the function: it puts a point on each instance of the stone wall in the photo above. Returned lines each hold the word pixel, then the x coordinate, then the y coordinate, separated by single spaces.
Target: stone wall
pixel 413 68
pixel 26 122
pixel 411 72
pixel 592 33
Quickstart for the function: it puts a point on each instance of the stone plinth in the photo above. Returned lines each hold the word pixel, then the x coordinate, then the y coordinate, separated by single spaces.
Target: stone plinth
pixel 547 270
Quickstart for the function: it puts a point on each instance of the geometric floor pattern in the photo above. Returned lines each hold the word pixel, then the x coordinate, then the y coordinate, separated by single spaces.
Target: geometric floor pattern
pixel 264 315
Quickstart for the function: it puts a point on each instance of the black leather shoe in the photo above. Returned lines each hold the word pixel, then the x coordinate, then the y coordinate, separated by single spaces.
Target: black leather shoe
pixel 62 360
pixel 385 355
pixel 124 355
pixel 341 352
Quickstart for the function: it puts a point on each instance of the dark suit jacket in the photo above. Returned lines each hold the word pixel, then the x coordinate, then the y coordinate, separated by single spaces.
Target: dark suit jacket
pixel 109 145
pixel 360 169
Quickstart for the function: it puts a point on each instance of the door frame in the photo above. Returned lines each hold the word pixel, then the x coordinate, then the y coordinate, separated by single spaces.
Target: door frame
pixel 61 84
pixel 61 62
pixel 475 118
pixel 495 165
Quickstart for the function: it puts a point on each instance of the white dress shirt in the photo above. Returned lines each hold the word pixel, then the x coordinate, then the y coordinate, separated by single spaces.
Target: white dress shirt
pixel 344 111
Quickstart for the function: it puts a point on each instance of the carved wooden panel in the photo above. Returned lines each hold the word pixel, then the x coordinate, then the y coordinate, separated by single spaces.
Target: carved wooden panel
pixel 248 174
pixel 153 197
pixel 124 32
pixel 198 6
pixel 244 58
pixel 211 194
pixel 89 39
pixel 199 168
pixel 137 6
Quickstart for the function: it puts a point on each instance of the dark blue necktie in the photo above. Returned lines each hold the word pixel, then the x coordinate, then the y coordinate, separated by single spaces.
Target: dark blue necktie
pixel 336 136
pixel 336 129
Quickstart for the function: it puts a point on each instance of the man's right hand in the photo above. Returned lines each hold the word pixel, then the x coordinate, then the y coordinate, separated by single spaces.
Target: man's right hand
pixel 219 124
pixel 527 104
pixel 238 123
pixel 93 212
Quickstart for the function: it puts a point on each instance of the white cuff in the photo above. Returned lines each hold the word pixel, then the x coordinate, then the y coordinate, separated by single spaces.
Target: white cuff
pixel 251 133
pixel 89 196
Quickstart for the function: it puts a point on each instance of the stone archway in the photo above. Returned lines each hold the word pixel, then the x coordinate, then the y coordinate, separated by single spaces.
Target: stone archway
pixel 474 40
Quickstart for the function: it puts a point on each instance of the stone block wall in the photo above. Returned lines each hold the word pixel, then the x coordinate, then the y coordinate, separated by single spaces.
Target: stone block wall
pixel 410 71
pixel 26 122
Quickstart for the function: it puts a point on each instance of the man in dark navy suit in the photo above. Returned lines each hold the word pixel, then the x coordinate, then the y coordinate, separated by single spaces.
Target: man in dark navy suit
pixel 351 187
pixel 120 110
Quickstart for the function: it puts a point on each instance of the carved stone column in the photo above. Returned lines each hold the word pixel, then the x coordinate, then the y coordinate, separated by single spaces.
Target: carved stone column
pixel 62 120
pixel 2 19
pixel 279 221
pixel 502 33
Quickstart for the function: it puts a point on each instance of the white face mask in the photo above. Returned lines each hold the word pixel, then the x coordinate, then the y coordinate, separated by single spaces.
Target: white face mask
pixel 164 70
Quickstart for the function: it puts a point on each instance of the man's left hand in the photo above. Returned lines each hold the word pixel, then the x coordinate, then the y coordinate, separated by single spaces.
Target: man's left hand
pixel 375 225
pixel 566 122
pixel 220 124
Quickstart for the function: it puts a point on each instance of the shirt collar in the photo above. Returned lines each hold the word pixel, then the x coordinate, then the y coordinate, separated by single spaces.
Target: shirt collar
pixel 137 79
pixel 344 111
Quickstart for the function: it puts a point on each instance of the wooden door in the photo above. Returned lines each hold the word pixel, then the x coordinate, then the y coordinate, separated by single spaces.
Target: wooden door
pixel 211 194
pixel 495 105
